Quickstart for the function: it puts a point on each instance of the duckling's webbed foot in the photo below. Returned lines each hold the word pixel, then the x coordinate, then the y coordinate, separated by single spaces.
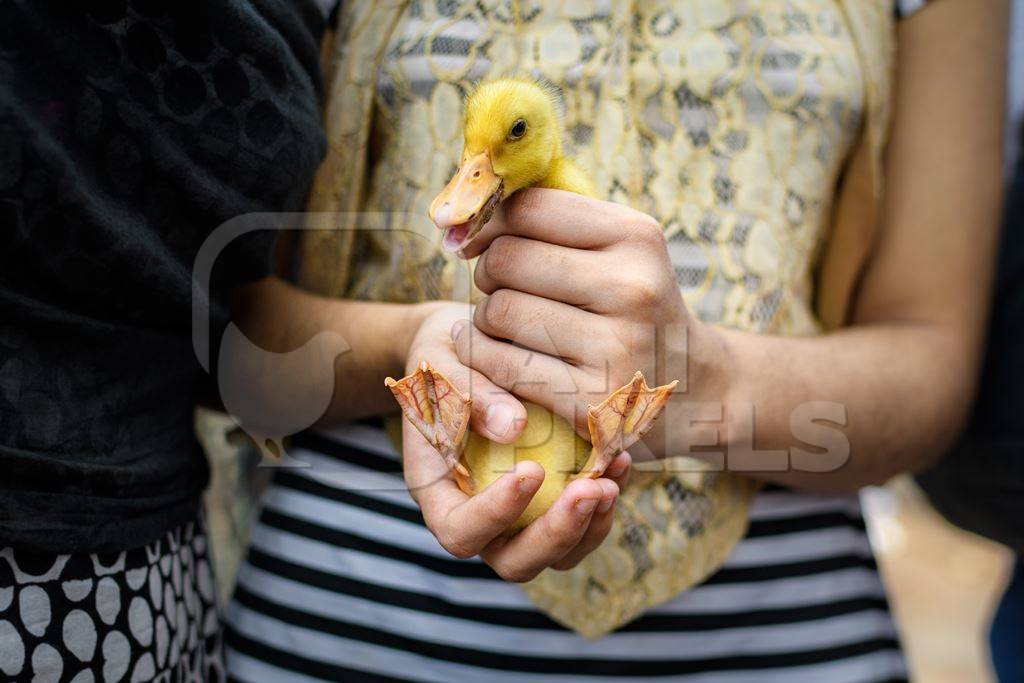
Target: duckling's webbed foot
pixel 621 420
pixel 438 410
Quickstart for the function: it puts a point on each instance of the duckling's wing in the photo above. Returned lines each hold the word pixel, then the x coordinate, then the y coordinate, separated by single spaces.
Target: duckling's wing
pixel 436 408
pixel 621 420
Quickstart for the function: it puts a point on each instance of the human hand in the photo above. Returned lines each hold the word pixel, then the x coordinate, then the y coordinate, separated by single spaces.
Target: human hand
pixel 496 414
pixel 464 525
pixel 582 294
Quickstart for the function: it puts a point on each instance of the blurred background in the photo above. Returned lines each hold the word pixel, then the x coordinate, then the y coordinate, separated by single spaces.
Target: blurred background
pixel 943 584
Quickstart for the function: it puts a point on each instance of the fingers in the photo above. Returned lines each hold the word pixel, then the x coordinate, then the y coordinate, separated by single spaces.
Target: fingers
pixel 532 322
pixel 572 276
pixel 559 217
pixel 531 375
pixel 496 414
pixel 612 484
pixel 465 526
pixel 550 537
pixel 619 469
pixel 598 529
pixel 426 472
pixel 462 524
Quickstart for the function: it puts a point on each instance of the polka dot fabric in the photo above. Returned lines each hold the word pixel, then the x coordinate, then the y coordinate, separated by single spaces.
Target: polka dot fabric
pixel 147 614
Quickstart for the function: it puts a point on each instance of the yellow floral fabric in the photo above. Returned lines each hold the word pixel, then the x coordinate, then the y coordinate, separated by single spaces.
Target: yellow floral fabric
pixel 730 122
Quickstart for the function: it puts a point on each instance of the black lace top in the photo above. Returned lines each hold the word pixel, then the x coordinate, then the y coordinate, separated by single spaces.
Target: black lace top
pixel 128 132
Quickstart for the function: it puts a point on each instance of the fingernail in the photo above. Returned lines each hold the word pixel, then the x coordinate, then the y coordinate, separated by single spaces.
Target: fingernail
pixel 527 486
pixel 457 328
pixel 499 418
pixel 585 506
pixel 605 505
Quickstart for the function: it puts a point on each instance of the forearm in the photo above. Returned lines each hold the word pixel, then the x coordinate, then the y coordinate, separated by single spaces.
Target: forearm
pixel 903 372
pixel 886 398
pixel 369 340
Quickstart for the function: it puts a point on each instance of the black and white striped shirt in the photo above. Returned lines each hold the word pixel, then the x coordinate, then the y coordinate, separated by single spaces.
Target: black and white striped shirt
pixel 344 582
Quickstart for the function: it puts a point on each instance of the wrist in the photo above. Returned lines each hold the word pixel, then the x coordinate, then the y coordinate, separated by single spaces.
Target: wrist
pixel 716 374
pixel 701 361
pixel 696 354
pixel 705 362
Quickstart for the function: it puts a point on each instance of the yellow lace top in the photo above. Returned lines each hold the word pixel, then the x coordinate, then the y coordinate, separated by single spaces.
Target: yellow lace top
pixel 729 122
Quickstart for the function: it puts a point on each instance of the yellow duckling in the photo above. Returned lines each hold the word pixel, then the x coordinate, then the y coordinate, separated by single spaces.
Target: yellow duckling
pixel 513 139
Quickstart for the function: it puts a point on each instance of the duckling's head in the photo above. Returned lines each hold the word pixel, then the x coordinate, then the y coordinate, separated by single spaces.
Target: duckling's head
pixel 513 132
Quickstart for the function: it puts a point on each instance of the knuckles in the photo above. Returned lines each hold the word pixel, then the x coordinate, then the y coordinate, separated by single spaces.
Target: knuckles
pixel 504 371
pixel 648 230
pixel 460 552
pixel 643 292
pixel 454 546
pixel 499 312
pixel 500 257
pixel 523 206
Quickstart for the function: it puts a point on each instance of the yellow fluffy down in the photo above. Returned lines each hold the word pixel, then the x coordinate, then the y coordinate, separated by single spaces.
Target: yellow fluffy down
pixel 547 440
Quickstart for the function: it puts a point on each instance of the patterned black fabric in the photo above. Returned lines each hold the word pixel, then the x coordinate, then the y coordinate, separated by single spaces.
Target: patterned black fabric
pixel 147 614
pixel 129 130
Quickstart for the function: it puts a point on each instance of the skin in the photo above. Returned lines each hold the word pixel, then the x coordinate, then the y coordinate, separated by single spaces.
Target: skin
pixel 466 526
pixel 389 339
pixel 904 368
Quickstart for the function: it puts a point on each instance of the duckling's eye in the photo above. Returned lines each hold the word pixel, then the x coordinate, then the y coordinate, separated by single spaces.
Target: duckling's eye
pixel 518 129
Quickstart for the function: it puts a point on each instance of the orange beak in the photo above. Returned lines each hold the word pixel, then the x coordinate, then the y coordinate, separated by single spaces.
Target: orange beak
pixel 467 202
